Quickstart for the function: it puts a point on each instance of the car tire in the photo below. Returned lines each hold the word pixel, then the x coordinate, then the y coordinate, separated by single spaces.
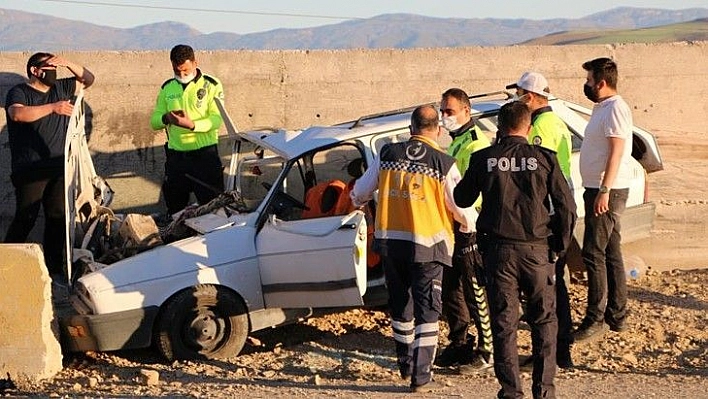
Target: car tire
pixel 202 322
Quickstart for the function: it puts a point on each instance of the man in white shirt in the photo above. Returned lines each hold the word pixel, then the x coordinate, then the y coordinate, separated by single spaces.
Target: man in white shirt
pixel 605 171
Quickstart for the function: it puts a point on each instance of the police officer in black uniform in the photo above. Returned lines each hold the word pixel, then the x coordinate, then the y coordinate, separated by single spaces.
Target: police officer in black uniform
pixel 518 239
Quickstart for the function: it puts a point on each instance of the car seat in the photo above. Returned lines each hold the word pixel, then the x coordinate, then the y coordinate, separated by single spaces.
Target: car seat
pixel 322 199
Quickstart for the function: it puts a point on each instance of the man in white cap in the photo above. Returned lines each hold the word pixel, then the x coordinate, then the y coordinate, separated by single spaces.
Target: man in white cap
pixel 549 131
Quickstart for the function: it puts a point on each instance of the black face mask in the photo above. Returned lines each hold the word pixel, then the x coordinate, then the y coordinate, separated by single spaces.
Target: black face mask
pixel 48 77
pixel 590 93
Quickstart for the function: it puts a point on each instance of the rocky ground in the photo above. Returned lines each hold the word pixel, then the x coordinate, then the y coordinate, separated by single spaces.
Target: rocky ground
pixel 350 354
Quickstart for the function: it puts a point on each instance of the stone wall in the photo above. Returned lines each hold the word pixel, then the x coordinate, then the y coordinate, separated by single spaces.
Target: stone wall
pixel 667 85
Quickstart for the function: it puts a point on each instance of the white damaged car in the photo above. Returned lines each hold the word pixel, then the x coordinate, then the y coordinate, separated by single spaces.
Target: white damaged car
pixel 282 240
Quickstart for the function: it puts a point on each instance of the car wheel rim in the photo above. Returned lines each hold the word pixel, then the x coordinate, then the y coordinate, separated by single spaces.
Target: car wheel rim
pixel 206 332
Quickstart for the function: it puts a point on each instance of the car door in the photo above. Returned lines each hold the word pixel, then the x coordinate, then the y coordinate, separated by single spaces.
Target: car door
pixel 84 190
pixel 314 263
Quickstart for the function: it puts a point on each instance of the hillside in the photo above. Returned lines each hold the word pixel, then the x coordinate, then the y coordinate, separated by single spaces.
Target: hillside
pixel 686 31
pixel 22 31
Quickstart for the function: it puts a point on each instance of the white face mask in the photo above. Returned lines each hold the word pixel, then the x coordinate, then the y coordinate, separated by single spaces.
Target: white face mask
pixel 185 79
pixel 523 98
pixel 450 123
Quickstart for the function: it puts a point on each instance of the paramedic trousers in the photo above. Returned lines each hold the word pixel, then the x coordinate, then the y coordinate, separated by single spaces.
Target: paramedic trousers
pixel 31 191
pixel 415 302
pixel 511 269
pixel 198 171
pixel 464 299
pixel 602 256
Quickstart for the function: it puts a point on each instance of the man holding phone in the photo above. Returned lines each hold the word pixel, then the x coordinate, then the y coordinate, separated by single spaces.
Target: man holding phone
pixel 187 110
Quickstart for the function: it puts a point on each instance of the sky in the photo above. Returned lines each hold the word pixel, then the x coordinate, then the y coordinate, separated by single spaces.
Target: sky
pixel 241 16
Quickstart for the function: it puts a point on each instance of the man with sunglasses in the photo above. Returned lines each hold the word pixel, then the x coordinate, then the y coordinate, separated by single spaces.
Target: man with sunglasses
pixel 38 114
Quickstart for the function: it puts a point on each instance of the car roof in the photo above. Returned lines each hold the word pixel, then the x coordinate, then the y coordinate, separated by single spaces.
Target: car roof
pixel 290 144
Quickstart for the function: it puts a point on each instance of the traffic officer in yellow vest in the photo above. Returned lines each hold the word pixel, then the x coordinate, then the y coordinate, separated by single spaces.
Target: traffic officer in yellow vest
pixel 549 131
pixel 187 110
pixel 414 235
pixel 464 299
pixel 518 237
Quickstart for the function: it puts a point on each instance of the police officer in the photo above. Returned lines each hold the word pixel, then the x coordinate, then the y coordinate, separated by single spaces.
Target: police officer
pixel 549 131
pixel 187 110
pixel 414 235
pixel 464 299
pixel 518 238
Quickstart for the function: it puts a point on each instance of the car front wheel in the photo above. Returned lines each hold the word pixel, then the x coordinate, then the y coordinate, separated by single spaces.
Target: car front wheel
pixel 202 322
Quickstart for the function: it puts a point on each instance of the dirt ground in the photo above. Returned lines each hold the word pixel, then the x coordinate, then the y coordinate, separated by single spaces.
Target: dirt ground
pixel 350 354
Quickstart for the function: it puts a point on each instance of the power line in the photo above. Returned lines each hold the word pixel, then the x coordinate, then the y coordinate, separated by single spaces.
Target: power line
pixel 221 11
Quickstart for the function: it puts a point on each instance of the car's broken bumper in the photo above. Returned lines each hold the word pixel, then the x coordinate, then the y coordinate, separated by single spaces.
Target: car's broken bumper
pixel 107 332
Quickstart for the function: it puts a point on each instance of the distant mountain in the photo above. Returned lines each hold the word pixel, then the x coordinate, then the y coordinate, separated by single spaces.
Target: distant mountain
pixel 22 31
pixel 685 31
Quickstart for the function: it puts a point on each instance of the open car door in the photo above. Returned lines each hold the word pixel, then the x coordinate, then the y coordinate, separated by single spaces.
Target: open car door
pixel 313 263
pixel 84 190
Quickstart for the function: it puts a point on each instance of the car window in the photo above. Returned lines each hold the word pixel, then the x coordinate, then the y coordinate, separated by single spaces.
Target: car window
pixel 255 173
pixel 319 179
pixel 487 124
pixel 380 140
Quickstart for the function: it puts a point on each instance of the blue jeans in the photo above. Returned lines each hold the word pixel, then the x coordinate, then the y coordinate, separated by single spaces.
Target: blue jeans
pixel 602 256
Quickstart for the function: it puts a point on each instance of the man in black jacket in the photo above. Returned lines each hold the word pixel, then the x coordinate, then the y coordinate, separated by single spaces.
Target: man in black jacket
pixel 518 239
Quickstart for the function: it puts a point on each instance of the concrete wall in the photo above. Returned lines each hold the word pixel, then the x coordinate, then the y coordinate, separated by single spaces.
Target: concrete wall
pixel 29 345
pixel 667 84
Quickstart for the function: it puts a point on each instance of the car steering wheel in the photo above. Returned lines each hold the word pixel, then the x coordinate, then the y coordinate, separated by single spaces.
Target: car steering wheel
pixel 286 199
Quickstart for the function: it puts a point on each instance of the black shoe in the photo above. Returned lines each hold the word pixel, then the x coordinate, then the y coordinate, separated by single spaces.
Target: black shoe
pixel 481 363
pixel 564 360
pixel 589 331
pixel 454 354
pixel 619 327
pixel 526 365
pixel 405 373
pixel 431 386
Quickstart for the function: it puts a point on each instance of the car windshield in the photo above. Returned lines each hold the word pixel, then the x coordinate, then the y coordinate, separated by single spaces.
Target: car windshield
pixel 257 170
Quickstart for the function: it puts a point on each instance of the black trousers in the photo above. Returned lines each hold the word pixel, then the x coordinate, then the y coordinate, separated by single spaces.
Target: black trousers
pixel 602 256
pixel 565 320
pixel 31 192
pixel 203 165
pixel 415 302
pixel 464 297
pixel 515 268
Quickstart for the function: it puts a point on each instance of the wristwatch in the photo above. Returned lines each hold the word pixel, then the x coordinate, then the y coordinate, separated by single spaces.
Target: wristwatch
pixel 604 189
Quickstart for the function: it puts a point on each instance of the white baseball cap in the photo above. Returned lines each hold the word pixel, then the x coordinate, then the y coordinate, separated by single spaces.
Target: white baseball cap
pixel 533 82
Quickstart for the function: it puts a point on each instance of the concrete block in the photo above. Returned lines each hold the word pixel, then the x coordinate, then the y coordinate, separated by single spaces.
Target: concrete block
pixel 29 342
